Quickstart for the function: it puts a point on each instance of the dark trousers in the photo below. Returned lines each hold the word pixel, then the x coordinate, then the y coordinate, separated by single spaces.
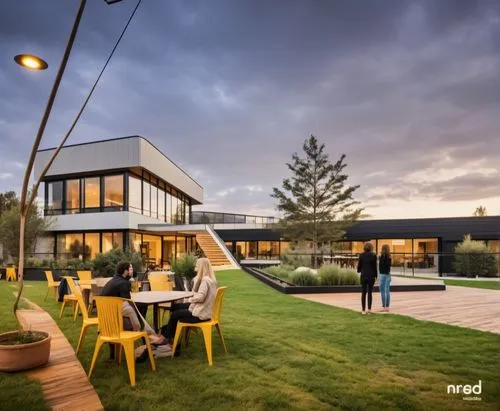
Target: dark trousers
pixel 180 314
pixel 367 288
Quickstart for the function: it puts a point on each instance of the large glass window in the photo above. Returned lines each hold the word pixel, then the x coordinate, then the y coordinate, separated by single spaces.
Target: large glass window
pixel 241 250
pixel 134 194
pixel 187 213
pixel 146 198
pixel 152 248
pixel 169 208
pixel 134 242
pixel 114 240
pixel 161 204
pixel 91 245
pixel 92 193
pixel 55 197
pixel 357 246
pixel 401 251
pixel 154 201
pixel 181 246
pixel 72 196
pixel 425 253
pixel 70 245
pixel 168 250
pixel 113 192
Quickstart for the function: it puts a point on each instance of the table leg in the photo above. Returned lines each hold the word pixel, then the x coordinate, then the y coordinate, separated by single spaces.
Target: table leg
pixel 155 317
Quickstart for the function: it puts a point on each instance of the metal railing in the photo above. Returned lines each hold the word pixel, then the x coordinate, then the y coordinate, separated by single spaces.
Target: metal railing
pixel 210 217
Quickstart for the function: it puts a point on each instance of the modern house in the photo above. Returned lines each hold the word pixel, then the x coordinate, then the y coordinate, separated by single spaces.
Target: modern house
pixel 126 193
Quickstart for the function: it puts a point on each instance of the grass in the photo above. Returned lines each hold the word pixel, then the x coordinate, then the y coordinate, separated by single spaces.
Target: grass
pixel 287 353
pixel 487 284
pixel 14 386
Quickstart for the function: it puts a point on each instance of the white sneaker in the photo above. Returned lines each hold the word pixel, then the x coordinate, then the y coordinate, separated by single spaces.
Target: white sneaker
pixel 163 351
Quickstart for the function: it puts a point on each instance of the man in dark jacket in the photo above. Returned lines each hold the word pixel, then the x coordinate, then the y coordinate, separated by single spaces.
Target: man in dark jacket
pixel 367 267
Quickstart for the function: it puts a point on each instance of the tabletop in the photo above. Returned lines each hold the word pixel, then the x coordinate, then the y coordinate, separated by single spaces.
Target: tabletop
pixel 156 297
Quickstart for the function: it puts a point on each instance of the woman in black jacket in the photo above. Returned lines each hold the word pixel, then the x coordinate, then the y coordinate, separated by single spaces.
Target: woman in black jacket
pixel 367 267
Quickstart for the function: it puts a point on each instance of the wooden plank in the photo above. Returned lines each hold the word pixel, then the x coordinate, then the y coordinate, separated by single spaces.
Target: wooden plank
pixel 64 381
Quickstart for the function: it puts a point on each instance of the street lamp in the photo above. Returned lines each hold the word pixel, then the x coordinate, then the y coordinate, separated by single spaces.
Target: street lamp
pixel 31 62
pixel 35 63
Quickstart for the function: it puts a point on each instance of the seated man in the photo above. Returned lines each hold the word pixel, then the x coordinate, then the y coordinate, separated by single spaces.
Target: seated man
pixel 119 286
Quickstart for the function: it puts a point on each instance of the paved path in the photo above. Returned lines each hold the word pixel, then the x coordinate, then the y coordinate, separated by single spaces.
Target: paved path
pixel 462 306
pixel 63 379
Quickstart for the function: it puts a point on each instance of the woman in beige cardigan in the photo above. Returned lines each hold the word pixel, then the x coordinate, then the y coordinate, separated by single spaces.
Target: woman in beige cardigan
pixel 200 304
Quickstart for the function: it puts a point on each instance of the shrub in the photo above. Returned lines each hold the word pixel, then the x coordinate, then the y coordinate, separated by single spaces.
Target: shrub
pixel 332 274
pixel 280 271
pixel 296 260
pixel 304 278
pixel 474 258
pixel 184 268
pixel 105 263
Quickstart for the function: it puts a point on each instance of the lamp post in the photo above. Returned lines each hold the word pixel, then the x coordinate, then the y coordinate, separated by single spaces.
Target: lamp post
pixel 35 63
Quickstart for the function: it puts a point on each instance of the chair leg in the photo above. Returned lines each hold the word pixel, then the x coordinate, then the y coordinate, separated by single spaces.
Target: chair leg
pixel 75 308
pixel 151 357
pixel 83 333
pixel 98 345
pixel 128 347
pixel 217 326
pixel 187 334
pixel 178 334
pixel 62 309
pixel 207 336
pixel 48 289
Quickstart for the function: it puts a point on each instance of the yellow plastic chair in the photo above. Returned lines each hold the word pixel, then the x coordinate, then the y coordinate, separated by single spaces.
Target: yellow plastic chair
pixel 69 299
pixel 87 321
pixel 10 274
pixel 51 284
pixel 84 277
pixel 109 310
pixel 205 326
pixel 160 282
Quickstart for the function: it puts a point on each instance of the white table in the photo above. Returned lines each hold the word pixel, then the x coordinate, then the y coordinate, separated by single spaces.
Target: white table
pixel 157 297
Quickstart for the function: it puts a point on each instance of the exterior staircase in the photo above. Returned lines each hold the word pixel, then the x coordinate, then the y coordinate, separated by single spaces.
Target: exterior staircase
pixel 214 252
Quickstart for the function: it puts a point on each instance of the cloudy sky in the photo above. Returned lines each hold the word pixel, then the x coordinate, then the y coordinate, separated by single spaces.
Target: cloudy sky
pixel 229 89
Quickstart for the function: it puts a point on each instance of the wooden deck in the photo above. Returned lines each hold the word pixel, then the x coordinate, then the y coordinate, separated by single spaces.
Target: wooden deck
pixel 63 379
pixel 461 306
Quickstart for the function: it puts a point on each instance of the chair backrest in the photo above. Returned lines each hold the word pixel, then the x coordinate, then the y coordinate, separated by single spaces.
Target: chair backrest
pixel 85 276
pixel 159 282
pixel 10 272
pixel 78 294
pixel 109 314
pixel 218 303
pixel 50 278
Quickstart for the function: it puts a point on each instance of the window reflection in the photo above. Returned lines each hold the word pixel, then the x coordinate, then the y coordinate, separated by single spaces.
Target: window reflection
pixel 92 192
pixel 113 192
pixel 134 194
pixel 91 245
pixel 55 197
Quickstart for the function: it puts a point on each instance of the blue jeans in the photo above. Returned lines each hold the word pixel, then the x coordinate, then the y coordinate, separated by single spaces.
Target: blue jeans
pixel 385 289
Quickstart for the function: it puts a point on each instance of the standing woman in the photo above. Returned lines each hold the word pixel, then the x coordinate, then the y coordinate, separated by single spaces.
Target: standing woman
pixel 384 267
pixel 367 267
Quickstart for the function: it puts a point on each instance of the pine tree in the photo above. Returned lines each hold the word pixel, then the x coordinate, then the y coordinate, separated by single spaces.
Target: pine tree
pixel 317 204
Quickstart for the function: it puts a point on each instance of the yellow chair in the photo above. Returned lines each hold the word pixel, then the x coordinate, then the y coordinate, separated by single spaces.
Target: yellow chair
pixel 10 274
pixel 160 282
pixel 84 277
pixel 51 284
pixel 109 310
pixel 70 299
pixel 205 326
pixel 87 321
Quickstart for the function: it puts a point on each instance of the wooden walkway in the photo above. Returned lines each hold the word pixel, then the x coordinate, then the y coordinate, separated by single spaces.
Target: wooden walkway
pixel 461 306
pixel 63 379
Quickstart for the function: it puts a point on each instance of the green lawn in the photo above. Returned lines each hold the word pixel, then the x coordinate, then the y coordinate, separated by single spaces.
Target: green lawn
pixel 287 353
pixel 488 284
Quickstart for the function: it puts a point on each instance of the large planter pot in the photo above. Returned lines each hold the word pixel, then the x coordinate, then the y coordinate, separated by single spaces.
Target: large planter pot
pixel 22 357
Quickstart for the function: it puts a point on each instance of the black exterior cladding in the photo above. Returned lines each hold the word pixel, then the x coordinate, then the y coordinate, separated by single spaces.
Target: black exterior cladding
pixel 449 231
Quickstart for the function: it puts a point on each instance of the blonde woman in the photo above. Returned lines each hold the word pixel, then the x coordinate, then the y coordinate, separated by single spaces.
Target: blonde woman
pixel 384 267
pixel 200 304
